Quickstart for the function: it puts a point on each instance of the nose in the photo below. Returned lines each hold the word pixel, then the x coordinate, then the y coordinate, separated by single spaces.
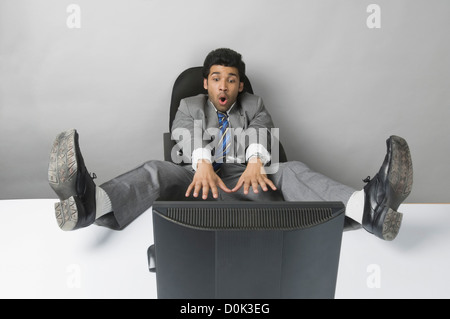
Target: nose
pixel 223 85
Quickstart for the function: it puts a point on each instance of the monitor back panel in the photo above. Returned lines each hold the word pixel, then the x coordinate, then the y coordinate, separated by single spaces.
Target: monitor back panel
pixel 247 250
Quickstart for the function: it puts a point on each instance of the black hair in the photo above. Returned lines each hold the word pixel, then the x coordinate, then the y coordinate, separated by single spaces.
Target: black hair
pixel 224 57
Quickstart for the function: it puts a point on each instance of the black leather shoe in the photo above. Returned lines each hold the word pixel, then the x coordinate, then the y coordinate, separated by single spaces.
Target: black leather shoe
pixel 387 190
pixel 69 178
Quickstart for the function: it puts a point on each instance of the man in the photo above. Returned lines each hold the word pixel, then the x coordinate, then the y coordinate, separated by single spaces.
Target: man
pixel 213 170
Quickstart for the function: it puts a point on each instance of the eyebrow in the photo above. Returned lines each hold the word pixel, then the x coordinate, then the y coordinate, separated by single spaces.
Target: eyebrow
pixel 229 74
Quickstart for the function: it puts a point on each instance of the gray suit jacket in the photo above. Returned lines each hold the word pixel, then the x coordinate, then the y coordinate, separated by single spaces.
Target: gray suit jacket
pixel 196 125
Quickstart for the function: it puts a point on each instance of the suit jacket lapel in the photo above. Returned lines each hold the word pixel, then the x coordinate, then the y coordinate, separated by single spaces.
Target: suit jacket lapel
pixel 211 119
pixel 237 117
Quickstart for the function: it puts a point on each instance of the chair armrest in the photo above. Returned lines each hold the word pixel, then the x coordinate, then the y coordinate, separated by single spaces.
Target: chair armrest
pixel 168 146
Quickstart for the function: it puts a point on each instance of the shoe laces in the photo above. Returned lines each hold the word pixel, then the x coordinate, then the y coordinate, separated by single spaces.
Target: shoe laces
pixel 367 179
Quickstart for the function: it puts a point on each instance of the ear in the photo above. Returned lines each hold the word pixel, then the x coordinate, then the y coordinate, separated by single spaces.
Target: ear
pixel 241 86
pixel 205 84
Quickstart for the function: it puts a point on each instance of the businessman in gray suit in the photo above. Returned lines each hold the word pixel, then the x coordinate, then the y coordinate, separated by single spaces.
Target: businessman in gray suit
pixel 226 152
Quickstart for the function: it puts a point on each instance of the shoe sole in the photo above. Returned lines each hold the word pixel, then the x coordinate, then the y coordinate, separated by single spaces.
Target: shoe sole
pixel 63 166
pixel 391 224
pixel 66 213
pixel 400 182
pixel 401 174
pixel 62 177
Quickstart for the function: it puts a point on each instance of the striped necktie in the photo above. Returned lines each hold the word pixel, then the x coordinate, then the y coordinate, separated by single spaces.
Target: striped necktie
pixel 224 142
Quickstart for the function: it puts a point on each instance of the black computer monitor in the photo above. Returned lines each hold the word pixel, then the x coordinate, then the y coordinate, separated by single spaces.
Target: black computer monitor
pixel 246 250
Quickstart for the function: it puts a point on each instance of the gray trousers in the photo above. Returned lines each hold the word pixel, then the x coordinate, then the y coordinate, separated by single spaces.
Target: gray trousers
pixel 134 192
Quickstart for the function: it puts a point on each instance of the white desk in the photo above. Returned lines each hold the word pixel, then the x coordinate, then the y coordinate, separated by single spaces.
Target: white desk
pixel 38 260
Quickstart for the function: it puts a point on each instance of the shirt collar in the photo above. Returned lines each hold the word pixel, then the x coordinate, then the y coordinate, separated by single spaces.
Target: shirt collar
pixel 229 110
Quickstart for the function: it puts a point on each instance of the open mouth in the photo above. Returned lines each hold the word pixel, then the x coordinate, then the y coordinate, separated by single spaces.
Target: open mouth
pixel 223 100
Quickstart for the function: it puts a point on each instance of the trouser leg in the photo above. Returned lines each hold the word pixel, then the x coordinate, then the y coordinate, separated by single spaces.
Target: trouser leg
pixel 295 182
pixel 134 192
pixel 298 182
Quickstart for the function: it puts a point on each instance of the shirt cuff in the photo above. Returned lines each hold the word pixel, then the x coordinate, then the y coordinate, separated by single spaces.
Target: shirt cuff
pixel 258 150
pixel 200 154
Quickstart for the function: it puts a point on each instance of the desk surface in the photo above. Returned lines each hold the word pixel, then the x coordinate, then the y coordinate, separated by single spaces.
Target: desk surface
pixel 38 260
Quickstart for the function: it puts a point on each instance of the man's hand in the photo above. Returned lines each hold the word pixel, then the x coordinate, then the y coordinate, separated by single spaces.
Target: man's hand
pixel 205 179
pixel 254 175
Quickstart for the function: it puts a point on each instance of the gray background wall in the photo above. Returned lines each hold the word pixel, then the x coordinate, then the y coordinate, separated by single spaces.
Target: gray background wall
pixel 335 87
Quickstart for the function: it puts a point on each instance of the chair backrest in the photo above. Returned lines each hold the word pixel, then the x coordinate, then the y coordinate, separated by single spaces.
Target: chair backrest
pixel 190 83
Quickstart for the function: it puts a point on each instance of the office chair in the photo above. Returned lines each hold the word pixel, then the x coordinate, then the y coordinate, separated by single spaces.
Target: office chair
pixel 190 83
